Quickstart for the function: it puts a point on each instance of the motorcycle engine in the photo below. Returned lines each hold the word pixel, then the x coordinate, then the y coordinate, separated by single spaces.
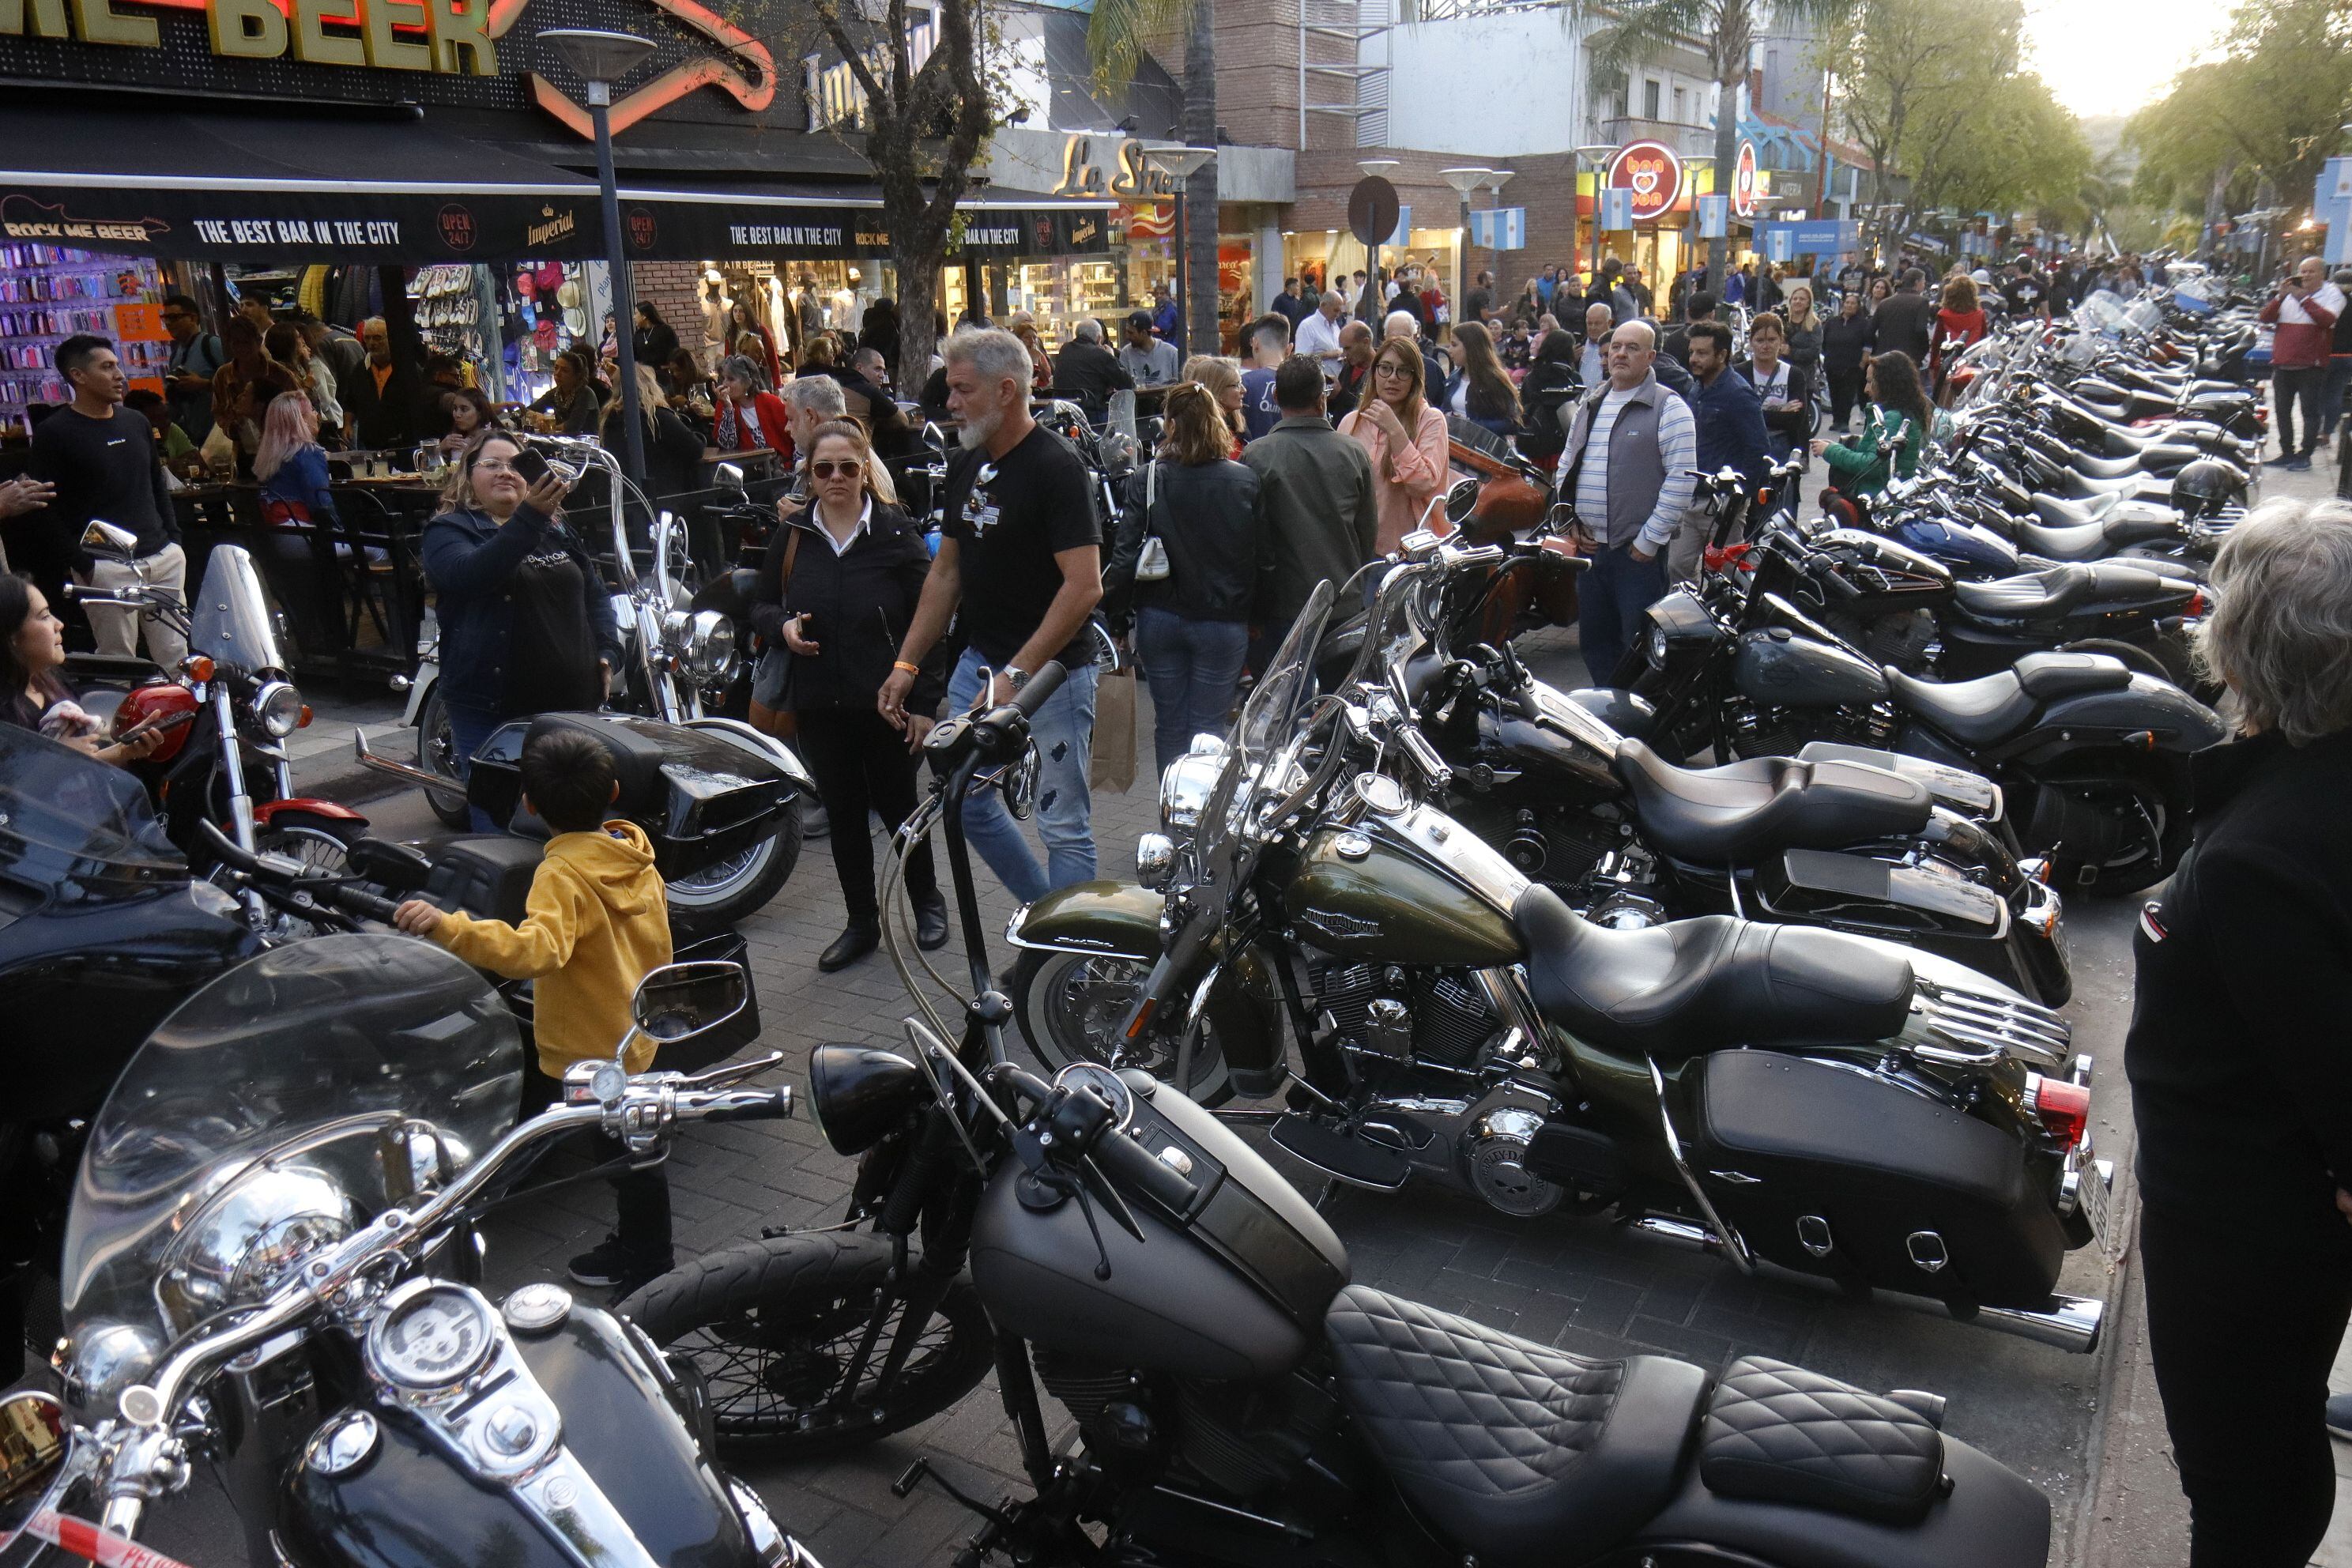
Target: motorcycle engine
pixel 1434 1016
pixel 1757 731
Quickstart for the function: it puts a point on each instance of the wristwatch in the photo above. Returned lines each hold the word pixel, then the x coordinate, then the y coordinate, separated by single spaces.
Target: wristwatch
pixel 1016 675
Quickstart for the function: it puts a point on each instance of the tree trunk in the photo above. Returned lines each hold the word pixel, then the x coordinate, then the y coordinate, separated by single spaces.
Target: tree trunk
pixel 1199 304
pixel 919 290
pixel 1727 158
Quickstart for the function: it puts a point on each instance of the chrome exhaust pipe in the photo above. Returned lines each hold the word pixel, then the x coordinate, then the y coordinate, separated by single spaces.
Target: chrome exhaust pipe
pixel 401 771
pixel 2070 1323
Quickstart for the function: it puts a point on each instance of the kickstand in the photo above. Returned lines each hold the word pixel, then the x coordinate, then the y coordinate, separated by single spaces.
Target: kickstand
pixel 918 1472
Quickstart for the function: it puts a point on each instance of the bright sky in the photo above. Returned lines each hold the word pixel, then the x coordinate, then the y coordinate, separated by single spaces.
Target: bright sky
pixel 2103 58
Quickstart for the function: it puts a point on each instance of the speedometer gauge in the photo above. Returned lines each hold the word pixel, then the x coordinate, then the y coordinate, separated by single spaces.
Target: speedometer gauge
pixel 434 1338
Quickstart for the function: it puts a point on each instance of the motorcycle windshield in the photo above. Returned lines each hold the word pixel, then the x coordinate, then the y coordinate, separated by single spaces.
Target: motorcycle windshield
pixel 232 620
pixel 63 815
pixel 276 1111
pixel 1396 631
pixel 1267 719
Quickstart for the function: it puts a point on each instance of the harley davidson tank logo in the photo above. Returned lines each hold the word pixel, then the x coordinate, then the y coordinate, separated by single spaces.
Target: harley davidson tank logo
pixel 1337 927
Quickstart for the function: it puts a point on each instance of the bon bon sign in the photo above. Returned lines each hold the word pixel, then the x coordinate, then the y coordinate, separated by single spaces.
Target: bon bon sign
pixel 1652 171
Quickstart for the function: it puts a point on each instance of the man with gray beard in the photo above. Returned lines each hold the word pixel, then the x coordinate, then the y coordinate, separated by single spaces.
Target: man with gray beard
pixel 1021 552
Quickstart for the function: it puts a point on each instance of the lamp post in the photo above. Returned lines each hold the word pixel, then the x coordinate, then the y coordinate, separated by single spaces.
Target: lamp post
pixel 1464 180
pixel 1598 155
pixel 1692 168
pixel 598 60
pixel 1180 165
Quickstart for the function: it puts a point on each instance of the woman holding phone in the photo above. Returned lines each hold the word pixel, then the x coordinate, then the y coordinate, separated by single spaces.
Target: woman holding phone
pixel 526 620
pixel 32 650
pixel 838 586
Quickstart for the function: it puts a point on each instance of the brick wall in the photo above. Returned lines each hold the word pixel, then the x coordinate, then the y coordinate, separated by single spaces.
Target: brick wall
pixel 674 289
pixel 1257 70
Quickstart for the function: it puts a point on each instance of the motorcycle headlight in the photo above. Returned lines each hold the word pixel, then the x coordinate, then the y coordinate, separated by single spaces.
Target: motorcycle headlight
pixel 278 707
pixel 1184 789
pixel 710 646
pixel 1155 860
pixel 1657 648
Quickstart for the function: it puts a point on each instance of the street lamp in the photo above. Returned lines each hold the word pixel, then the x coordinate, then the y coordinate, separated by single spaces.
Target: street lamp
pixel 1180 165
pixel 598 60
pixel 1464 180
pixel 1598 154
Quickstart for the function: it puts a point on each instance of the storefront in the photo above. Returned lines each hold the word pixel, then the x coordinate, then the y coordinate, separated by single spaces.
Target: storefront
pixel 1642 203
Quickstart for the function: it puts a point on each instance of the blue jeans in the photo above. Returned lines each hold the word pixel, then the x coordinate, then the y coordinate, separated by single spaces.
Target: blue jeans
pixel 1609 605
pixel 468 727
pixel 1064 729
pixel 1194 668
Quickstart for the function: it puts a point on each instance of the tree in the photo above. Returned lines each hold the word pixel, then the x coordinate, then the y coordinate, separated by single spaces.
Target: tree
pixel 926 125
pixel 1116 38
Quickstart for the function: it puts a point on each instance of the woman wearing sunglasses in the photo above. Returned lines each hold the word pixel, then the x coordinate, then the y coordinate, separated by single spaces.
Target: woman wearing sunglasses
pixel 837 587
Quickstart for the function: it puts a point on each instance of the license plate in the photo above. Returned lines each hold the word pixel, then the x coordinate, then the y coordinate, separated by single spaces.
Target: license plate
pixel 2092 1193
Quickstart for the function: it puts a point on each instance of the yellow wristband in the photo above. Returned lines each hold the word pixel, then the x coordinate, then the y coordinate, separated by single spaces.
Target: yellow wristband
pixel 909 669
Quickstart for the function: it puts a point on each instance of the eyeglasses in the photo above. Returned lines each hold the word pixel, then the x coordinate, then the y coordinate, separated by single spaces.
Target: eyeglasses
pixel 848 468
pixel 494 466
pixel 1396 369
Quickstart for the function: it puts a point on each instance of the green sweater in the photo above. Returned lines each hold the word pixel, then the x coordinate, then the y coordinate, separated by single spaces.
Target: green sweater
pixel 1856 463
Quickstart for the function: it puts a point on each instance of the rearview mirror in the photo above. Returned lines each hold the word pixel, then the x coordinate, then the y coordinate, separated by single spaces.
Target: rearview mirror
pixel 728 476
pixel 105 538
pixel 679 1001
pixel 35 1437
pixel 1461 499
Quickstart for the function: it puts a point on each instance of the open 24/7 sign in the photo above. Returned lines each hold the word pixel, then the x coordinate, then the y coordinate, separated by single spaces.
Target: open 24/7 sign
pixel 1652 171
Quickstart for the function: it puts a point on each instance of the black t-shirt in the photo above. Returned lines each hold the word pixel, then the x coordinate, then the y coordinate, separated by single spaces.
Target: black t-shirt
pixel 110 469
pixel 1010 516
pixel 2026 295
pixel 551 647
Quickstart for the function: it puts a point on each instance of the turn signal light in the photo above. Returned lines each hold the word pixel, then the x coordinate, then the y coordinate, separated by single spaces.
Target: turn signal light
pixel 2063 1108
pixel 197 668
pixel 304 722
pixel 2196 607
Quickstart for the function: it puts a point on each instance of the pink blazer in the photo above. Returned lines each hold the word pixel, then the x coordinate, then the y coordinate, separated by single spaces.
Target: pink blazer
pixel 1403 482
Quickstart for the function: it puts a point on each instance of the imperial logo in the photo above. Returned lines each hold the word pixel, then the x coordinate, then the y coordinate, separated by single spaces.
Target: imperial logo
pixel 558 225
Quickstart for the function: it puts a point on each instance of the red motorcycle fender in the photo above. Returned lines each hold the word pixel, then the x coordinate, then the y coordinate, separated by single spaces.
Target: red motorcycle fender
pixel 301 805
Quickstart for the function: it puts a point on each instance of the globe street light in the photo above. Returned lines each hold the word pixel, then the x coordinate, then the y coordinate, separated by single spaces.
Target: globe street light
pixel 598 60
pixel 1464 180
pixel 1180 165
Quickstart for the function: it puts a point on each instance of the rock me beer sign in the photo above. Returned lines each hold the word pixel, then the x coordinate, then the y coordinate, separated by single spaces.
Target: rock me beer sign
pixel 1652 171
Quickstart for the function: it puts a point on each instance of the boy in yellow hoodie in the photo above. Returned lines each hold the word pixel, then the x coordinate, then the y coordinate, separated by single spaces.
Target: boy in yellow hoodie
pixel 596 922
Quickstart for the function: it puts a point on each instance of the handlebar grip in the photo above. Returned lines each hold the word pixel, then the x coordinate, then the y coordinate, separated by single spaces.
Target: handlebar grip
pixel 1131 1165
pixel 1038 688
pixel 366 906
pixel 748 1105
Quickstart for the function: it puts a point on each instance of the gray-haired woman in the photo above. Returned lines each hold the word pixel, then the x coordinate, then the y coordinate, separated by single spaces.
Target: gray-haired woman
pixel 2240 1055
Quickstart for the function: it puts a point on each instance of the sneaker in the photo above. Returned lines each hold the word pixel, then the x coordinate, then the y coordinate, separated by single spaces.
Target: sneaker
pixel 2300 466
pixel 601 1267
pixel 635 1277
pixel 2339 1415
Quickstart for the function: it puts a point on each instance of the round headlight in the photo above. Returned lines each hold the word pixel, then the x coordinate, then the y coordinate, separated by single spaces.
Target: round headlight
pixel 278 707
pixel 710 646
pixel 1657 648
pixel 1155 860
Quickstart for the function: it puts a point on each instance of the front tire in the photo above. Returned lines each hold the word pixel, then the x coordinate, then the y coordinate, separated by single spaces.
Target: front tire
pixel 1071 1005
pixel 437 754
pixel 724 894
pixel 771 1325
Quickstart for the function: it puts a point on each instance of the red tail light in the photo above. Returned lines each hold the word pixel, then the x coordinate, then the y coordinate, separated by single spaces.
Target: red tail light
pixel 2063 1108
pixel 2195 608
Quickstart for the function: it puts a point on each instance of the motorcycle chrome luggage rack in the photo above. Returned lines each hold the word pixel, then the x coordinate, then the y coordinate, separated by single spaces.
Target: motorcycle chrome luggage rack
pixel 1979 1029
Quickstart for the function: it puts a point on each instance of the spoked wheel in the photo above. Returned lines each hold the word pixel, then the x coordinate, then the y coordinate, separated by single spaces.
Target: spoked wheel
pixel 1072 1005
pixel 324 850
pixel 773 1327
pixel 437 754
pixel 724 894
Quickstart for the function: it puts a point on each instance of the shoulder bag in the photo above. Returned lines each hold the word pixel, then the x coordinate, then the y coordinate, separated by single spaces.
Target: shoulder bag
pixel 1151 561
pixel 784 722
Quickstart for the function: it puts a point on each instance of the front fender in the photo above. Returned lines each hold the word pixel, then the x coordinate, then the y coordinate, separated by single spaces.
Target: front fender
pixel 300 806
pixel 741 734
pixel 1121 919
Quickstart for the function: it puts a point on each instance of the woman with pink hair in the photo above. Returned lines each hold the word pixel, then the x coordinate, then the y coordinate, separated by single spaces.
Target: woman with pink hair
pixel 290 464
pixel 300 554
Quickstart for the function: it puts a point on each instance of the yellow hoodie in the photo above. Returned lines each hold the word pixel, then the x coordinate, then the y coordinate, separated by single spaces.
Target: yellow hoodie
pixel 596 922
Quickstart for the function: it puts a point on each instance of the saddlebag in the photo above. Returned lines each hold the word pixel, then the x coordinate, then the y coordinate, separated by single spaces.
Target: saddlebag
pixel 1821 887
pixel 701 798
pixel 1832 1172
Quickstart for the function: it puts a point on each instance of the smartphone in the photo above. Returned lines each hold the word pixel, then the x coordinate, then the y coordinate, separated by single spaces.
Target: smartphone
pixel 162 723
pixel 532 464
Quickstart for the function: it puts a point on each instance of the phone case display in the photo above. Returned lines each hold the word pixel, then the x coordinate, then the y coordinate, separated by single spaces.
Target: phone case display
pixel 47 294
pixel 543 310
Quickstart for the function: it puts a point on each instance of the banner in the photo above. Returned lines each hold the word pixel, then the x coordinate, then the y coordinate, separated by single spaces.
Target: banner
pixel 1617 209
pixel 1817 237
pixel 1402 237
pixel 1714 216
pixel 1499 228
pixel 1780 245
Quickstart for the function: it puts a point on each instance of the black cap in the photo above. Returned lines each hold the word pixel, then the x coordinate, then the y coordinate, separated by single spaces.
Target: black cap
pixel 1139 319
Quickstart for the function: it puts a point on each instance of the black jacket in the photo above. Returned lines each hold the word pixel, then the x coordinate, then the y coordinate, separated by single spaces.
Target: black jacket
pixel 859 603
pixel 1846 342
pixel 1550 388
pixel 1905 323
pixel 2241 1045
pixel 1208 518
pixel 1787 429
pixel 382 420
pixel 468 559
pixel 1088 374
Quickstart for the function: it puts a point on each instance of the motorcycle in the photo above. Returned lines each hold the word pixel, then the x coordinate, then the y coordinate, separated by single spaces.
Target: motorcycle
pixel 680 652
pixel 1236 1399
pixel 1450 1019
pixel 271 1266
pixel 1861 841
pixel 2091 754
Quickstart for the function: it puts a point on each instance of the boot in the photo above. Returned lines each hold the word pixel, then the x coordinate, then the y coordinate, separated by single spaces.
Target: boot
pixel 930 923
pixel 857 939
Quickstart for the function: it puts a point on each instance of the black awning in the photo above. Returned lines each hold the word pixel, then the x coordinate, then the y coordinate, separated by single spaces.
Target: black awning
pixel 223 187
pixel 702 219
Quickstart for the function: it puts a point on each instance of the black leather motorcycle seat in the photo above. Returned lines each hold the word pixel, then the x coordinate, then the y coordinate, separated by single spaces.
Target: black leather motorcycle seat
pixel 1514 1452
pixel 1689 987
pixel 2104 468
pixel 1741 810
pixel 2049 592
pixel 1776 1433
pixel 1992 706
pixel 487 875
pixel 2062 540
pixel 2049 675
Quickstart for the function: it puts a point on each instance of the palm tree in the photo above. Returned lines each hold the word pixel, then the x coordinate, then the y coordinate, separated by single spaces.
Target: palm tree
pixel 1627 33
pixel 1116 37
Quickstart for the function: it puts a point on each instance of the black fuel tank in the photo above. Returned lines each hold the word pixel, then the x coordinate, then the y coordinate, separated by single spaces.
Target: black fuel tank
pixel 1779 668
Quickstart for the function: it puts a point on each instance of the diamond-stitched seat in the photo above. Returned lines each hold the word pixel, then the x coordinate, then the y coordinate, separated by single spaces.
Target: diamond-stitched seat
pixel 1517 1453
pixel 1777 1433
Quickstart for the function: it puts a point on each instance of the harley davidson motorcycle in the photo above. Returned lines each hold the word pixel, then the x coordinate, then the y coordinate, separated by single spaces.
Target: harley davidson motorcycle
pixel 1862 841
pixel 1447 1017
pixel 1236 1400
pixel 271 1267
pixel 680 647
